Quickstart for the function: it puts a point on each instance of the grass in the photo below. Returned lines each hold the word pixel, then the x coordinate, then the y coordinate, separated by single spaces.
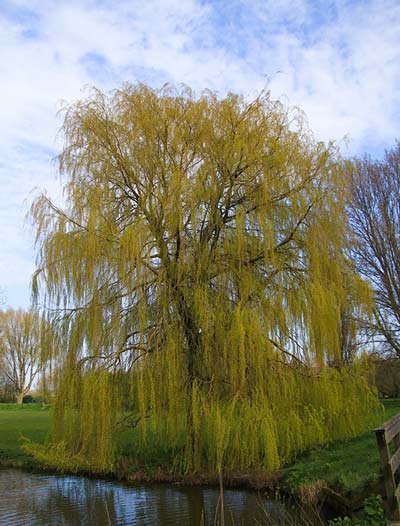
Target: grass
pixel 18 421
pixel 346 467
pixel 349 466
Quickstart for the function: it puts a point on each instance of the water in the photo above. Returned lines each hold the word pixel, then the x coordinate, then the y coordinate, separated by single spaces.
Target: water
pixel 31 499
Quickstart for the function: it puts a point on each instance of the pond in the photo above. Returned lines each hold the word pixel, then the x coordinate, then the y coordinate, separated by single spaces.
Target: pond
pixel 32 499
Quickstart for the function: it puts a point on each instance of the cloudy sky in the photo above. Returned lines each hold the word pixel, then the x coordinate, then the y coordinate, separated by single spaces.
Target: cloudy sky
pixel 337 60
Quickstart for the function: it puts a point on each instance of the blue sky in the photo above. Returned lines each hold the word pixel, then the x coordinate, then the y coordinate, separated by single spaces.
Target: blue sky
pixel 339 61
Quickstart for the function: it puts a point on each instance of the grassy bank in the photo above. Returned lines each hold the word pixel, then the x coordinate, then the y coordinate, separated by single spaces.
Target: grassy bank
pixel 347 468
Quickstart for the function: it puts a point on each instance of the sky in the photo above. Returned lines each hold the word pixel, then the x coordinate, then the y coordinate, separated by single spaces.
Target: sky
pixel 339 61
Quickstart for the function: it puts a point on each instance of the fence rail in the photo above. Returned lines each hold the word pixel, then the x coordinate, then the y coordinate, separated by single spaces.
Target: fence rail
pixel 386 434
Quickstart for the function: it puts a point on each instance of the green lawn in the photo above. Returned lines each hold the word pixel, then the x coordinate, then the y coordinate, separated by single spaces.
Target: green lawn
pixel 17 421
pixel 348 466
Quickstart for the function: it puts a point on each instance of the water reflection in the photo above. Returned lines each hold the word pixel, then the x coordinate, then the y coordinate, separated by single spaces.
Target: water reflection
pixel 30 499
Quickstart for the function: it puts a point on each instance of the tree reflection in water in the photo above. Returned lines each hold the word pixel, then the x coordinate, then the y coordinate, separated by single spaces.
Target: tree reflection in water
pixel 30 499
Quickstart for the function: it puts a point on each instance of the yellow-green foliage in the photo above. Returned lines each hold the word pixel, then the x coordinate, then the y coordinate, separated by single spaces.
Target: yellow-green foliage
pixel 200 274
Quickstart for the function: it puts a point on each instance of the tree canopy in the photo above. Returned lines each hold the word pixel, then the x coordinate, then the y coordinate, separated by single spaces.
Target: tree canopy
pixel 199 271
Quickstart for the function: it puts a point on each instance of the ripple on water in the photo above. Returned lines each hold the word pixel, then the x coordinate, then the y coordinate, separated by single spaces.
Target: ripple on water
pixel 30 499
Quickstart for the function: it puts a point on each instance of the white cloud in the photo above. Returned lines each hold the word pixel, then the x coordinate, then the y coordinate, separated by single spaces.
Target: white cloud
pixel 337 60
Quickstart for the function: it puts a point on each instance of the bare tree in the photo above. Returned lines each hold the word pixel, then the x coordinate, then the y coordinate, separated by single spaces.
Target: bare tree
pixel 20 351
pixel 375 220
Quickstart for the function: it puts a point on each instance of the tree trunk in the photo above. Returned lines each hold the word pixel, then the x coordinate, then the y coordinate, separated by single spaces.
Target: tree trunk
pixel 20 397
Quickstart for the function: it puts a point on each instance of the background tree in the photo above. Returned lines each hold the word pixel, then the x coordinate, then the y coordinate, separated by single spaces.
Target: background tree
pixel 21 354
pixel 7 389
pixel 200 258
pixel 375 220
pixel 386 375
pixel 3 297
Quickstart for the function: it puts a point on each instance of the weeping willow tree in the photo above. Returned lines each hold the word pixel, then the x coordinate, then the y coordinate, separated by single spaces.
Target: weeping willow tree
pixel 198 270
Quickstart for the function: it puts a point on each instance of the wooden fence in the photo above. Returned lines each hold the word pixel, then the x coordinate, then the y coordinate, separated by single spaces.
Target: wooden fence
pixel 386 435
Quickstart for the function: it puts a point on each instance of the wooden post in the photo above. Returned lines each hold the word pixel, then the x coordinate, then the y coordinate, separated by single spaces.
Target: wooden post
pixel 390 432
pixel 388 478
